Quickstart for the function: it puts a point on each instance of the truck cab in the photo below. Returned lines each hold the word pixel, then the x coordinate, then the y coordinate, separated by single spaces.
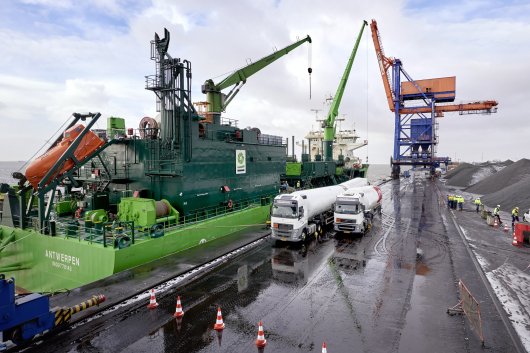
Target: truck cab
pixel 354 209
pixel 288 221
pixel 350 214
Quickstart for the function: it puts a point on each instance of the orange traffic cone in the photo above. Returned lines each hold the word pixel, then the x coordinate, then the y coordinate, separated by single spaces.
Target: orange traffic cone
pixel 152 301
pixel 514 241
pixel 261 341
pixel 495 224
pixel 324 348
pixel 506 229
pixel 219 324
pixel 178 309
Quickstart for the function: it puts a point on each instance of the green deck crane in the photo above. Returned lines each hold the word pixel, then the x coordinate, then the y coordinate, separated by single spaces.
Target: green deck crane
pixel 329 123
pixel 217 101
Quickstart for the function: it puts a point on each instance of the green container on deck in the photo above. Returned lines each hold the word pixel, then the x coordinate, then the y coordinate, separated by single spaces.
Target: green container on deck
pixel 65 207
pixel 115 126
pixel 293 169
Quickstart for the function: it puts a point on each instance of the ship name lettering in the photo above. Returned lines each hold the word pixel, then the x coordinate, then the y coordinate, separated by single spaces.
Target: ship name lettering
pixel 62 258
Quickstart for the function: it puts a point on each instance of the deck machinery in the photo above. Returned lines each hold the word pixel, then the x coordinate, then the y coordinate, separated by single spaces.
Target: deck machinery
pixel 415 135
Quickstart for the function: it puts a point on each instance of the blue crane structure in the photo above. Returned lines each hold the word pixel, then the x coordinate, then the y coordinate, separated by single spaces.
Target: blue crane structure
pixel 415 134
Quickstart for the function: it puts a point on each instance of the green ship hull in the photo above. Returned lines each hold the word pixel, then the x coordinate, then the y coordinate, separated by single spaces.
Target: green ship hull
pixel 42 263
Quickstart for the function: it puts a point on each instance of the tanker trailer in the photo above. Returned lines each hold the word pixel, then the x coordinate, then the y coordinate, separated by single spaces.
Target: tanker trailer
pixel 302 214
pixel 355 209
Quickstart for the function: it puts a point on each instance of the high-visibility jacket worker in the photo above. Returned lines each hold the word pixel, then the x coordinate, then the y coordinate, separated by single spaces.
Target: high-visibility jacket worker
pixel 450 197
pixel 496 213
pixel 460 201
pixel 478 203
pixel 515 215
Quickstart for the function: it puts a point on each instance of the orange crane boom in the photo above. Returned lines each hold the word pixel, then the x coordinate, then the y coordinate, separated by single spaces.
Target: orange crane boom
pixel 386 62
pixel 482 106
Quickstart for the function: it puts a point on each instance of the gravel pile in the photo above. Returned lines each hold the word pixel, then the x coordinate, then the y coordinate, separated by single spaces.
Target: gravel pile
pixel 517 194
pixel 506 177
pixel 468 174
pixel 461 175
pixel 500 183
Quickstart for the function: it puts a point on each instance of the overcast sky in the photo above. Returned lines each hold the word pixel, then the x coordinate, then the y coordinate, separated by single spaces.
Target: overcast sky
pixel 62 56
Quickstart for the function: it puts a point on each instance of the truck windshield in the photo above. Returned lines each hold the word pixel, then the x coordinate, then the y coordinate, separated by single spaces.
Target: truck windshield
pixel 284 211
pixel 348 208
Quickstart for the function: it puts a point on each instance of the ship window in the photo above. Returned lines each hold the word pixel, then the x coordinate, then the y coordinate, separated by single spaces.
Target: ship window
pixel 269 158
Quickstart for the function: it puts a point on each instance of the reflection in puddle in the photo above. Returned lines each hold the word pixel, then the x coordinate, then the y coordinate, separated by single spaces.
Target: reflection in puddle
pixel 349 255
pixel 290 265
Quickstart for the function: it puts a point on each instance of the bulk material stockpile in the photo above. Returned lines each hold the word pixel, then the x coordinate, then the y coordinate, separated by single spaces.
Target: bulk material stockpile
pixel 504 183
pixel 469 174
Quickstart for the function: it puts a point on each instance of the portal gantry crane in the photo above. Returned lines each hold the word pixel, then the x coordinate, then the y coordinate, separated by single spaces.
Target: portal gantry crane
pixel 415 137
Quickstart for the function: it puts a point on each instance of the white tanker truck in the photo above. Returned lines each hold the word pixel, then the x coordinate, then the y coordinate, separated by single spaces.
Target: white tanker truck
pixel 355 209
pixel 297 216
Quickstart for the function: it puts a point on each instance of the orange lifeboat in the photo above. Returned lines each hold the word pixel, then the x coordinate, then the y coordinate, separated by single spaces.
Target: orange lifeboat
pixel 37 169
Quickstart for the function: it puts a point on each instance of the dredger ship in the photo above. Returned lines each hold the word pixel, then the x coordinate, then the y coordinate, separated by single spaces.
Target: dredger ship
pixel 101 201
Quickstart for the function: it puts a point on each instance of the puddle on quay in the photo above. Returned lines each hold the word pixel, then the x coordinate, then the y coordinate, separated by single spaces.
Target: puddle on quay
pixel 422 269
pixel 349 255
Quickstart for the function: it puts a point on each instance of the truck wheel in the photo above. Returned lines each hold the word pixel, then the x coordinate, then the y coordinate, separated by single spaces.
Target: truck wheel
pixel 304 235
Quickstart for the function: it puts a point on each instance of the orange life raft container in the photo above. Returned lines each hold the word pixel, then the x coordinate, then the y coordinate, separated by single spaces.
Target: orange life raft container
pixel 37 169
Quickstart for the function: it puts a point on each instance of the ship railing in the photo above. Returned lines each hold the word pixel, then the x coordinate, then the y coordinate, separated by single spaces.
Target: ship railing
pixel 108 234
pixel 152 82
pixel 237 136
pixel 272 140
pixel 218 211
pixel 229 122
pixel 98 173
pixel 119 235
